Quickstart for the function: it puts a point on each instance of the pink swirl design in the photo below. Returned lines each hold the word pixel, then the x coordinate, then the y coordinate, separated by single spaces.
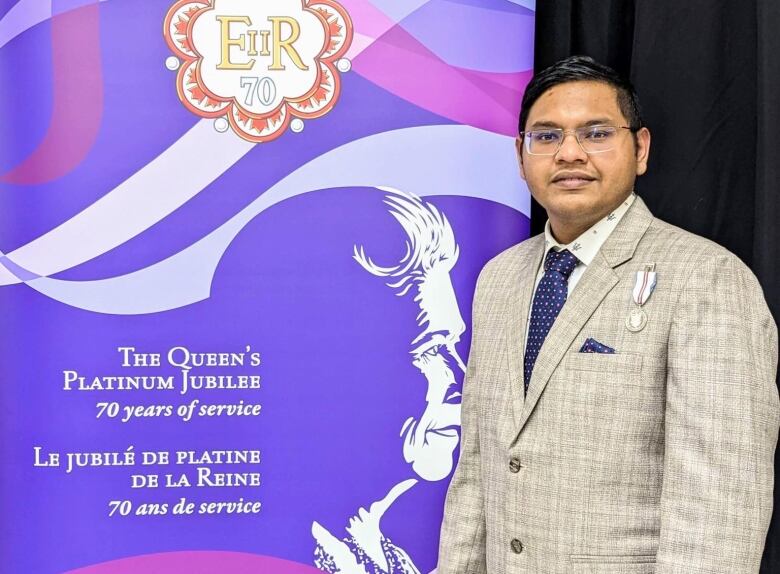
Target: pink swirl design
pixel 78 99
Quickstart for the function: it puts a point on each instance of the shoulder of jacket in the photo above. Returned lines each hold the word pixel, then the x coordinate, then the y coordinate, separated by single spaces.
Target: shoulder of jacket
pixel 514 256
pixel 687 246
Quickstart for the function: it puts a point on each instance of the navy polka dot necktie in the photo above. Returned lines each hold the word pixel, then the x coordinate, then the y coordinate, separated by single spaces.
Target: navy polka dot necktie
pixel 549 298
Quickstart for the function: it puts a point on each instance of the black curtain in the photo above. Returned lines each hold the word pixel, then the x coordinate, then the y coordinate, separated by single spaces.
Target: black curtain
pixel 708 78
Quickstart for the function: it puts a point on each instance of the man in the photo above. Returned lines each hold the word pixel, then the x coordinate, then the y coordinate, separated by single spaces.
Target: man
pixel 644 441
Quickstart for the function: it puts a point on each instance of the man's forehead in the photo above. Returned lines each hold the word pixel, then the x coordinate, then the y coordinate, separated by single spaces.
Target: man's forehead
pixel 576 103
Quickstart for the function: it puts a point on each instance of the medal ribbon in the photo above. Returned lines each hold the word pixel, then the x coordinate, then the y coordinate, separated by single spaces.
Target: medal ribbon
pixel 645 284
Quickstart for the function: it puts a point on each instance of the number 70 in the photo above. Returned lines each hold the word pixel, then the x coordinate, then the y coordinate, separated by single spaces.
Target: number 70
pixel 264 88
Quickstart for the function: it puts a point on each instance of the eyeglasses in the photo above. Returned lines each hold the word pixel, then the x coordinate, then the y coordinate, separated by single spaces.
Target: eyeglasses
pixel 592 139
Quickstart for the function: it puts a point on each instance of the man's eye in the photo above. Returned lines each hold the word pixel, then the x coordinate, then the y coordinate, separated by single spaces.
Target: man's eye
pixel 598 134
pixel 546 137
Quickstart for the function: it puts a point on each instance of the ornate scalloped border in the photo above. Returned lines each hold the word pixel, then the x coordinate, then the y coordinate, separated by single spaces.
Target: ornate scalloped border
pixel 266 127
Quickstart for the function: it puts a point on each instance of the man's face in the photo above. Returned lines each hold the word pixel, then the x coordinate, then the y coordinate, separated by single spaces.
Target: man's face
pixel 575 188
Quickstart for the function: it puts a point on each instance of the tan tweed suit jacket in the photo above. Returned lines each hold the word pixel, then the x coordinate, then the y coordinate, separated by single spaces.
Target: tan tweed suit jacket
pixel 655 460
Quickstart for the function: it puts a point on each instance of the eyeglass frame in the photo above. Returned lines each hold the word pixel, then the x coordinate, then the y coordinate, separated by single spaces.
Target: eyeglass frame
pixel 564 133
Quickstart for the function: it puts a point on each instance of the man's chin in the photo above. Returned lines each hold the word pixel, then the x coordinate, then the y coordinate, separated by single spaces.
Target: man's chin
pixel 566 204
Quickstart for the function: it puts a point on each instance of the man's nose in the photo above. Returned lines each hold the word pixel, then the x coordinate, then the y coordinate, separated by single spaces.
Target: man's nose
pixel 571 151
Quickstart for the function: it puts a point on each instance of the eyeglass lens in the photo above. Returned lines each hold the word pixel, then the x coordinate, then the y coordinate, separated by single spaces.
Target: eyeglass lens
pixel 593 139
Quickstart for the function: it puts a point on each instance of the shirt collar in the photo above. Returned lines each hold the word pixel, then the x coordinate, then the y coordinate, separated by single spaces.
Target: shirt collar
pixel 588 244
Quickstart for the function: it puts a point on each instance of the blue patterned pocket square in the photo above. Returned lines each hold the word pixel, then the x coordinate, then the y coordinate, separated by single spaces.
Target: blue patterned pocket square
pixel 593 346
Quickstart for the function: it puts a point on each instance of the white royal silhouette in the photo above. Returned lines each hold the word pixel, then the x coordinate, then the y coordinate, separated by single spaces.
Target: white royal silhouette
pixel 430 439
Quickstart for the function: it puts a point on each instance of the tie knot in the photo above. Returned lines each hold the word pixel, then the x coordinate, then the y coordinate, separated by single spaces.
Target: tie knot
pixel 561 261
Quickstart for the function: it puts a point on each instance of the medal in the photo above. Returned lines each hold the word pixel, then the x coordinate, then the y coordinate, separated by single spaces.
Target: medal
pixel 643 288
pixel 636 320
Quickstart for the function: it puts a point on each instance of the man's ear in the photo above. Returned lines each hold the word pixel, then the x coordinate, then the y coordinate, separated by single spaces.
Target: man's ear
pixel 519 151
pixel 642 150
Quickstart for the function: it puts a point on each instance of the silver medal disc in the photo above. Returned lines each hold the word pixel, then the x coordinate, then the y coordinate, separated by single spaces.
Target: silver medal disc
pixel 636 321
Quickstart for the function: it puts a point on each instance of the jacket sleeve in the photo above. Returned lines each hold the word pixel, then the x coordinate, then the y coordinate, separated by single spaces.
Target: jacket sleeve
pixel 721 424
pixel 462 543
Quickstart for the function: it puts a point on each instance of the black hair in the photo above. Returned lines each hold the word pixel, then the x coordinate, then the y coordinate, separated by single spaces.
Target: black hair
pixel 582 69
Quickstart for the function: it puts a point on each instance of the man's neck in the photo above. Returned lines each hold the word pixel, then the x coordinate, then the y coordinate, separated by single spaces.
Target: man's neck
pixel 565 233
pixel 567 230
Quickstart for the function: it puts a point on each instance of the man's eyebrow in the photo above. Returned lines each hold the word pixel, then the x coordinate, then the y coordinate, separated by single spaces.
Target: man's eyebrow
pixel 544 124
pixel 597 122
pixel 551 124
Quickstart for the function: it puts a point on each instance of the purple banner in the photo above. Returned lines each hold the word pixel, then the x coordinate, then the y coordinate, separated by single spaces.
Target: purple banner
pixel 238 248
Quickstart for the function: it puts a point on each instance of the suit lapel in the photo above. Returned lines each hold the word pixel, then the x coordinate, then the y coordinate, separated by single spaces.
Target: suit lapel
pixel 594 285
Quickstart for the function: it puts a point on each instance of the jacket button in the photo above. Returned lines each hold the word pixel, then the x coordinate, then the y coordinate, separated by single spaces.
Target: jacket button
pixel 514 464
pixel 517 546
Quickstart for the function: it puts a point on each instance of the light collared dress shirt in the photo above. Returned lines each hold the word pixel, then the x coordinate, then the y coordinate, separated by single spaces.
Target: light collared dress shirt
pixel 584 248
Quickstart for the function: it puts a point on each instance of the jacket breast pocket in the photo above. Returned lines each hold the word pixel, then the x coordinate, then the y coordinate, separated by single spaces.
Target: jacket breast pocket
pixel 609 364
pixel 601 374
pixel 613 564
